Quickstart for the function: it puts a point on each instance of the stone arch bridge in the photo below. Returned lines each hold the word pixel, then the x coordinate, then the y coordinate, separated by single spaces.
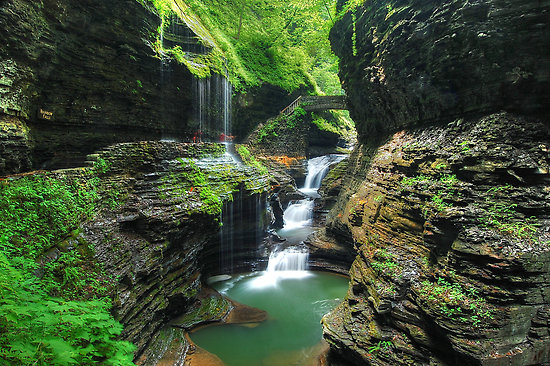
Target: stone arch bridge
pixel 317 103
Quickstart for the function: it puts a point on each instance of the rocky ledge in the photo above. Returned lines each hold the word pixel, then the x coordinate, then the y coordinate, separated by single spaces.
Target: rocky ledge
pixel 451 225
pixel 167 217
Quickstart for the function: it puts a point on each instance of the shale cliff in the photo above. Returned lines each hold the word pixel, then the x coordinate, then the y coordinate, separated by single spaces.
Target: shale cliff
pixel 166 227
pixel 446 201
pixel 79 75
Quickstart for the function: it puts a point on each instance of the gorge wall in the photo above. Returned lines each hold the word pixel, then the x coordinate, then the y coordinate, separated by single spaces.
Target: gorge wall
pixel 165 230
pixel 77 76
pixel 446 200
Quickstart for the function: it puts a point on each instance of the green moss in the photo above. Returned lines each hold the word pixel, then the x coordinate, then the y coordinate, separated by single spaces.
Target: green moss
pixel 204 190
pixel 250 160
pixel 268 131
pixel 212 308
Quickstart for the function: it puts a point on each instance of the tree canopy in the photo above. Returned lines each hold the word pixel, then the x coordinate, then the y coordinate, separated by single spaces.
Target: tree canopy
pixel 281 43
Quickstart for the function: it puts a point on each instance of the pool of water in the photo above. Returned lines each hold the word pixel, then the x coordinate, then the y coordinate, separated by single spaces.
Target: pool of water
pixel 295 302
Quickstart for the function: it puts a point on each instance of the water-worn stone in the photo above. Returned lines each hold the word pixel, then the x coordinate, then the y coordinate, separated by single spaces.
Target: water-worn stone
pixel 157 243
pixel 83 75
pixel 452 264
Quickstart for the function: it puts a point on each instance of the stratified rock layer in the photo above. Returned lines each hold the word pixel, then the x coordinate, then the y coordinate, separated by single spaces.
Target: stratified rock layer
pixel 155 242
pixel 82 75
pixel 446 202
pixel 420 62
pixel 452 229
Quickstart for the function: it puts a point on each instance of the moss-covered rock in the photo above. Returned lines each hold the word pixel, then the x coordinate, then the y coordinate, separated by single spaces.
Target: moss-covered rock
pixel 452 243
pixel 156 231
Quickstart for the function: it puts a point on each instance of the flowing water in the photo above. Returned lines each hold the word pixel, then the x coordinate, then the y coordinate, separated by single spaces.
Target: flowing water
pixel 291 335
pixel 294 298
pixel 213 105
pixel 298 216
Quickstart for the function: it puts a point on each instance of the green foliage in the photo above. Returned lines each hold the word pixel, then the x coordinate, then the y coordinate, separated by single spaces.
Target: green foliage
pixel 349 5
pixel 465 146
pixel 40 322
pixel 204 190
pixel 250 160
pixel 336 122
pixel 257 41
pixel 36 211
pixel 383 346
pixel 383 262
pixel 196 178
pixel 445 184
pixel 295 118
pixel 101 167
pixel 37 329
pixel 502 215
pixel 412 181
pixel 354 34
pixel 454 301
pixel 268 131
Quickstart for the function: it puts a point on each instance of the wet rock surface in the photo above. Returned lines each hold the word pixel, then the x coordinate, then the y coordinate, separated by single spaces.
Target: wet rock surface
pixel 421 62
pixel 155 242
pixel 83 75
pixel 15 145
pixel 446 203
pixel 451 225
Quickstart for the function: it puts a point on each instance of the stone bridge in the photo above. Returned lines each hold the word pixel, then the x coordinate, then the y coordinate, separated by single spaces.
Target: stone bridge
pixel 317 103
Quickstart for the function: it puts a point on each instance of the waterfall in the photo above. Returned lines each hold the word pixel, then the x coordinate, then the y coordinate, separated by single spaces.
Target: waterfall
pixel 212 109
pixel 317 168
pixel 290 263
pixel 298 214
pixel 290 259
pixel 227 90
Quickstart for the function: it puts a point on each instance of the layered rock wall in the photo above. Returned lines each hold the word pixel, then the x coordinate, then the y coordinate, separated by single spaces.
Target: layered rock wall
pixel 154 242
pixel 446 202
pixel 82 75
pixel 453 245
pixel 421 62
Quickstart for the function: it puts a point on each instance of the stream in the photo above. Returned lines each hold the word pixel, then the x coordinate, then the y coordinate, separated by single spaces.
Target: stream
pixel 294 298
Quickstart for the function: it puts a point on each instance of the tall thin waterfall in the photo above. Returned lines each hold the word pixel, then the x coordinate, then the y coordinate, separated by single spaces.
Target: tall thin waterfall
pixel 227 91
pixel 212 100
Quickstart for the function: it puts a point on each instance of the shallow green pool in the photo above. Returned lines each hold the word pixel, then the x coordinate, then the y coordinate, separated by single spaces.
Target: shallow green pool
pixel 295 302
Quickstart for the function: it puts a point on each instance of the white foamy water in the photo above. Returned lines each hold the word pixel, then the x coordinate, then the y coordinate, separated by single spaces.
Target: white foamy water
pixel 298 214
pixel 290 263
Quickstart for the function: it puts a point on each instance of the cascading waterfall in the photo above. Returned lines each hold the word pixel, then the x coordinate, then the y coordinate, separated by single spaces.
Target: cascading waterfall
pixel 290 259
pixel 317 168
pixel 298 218
pixel 299 215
